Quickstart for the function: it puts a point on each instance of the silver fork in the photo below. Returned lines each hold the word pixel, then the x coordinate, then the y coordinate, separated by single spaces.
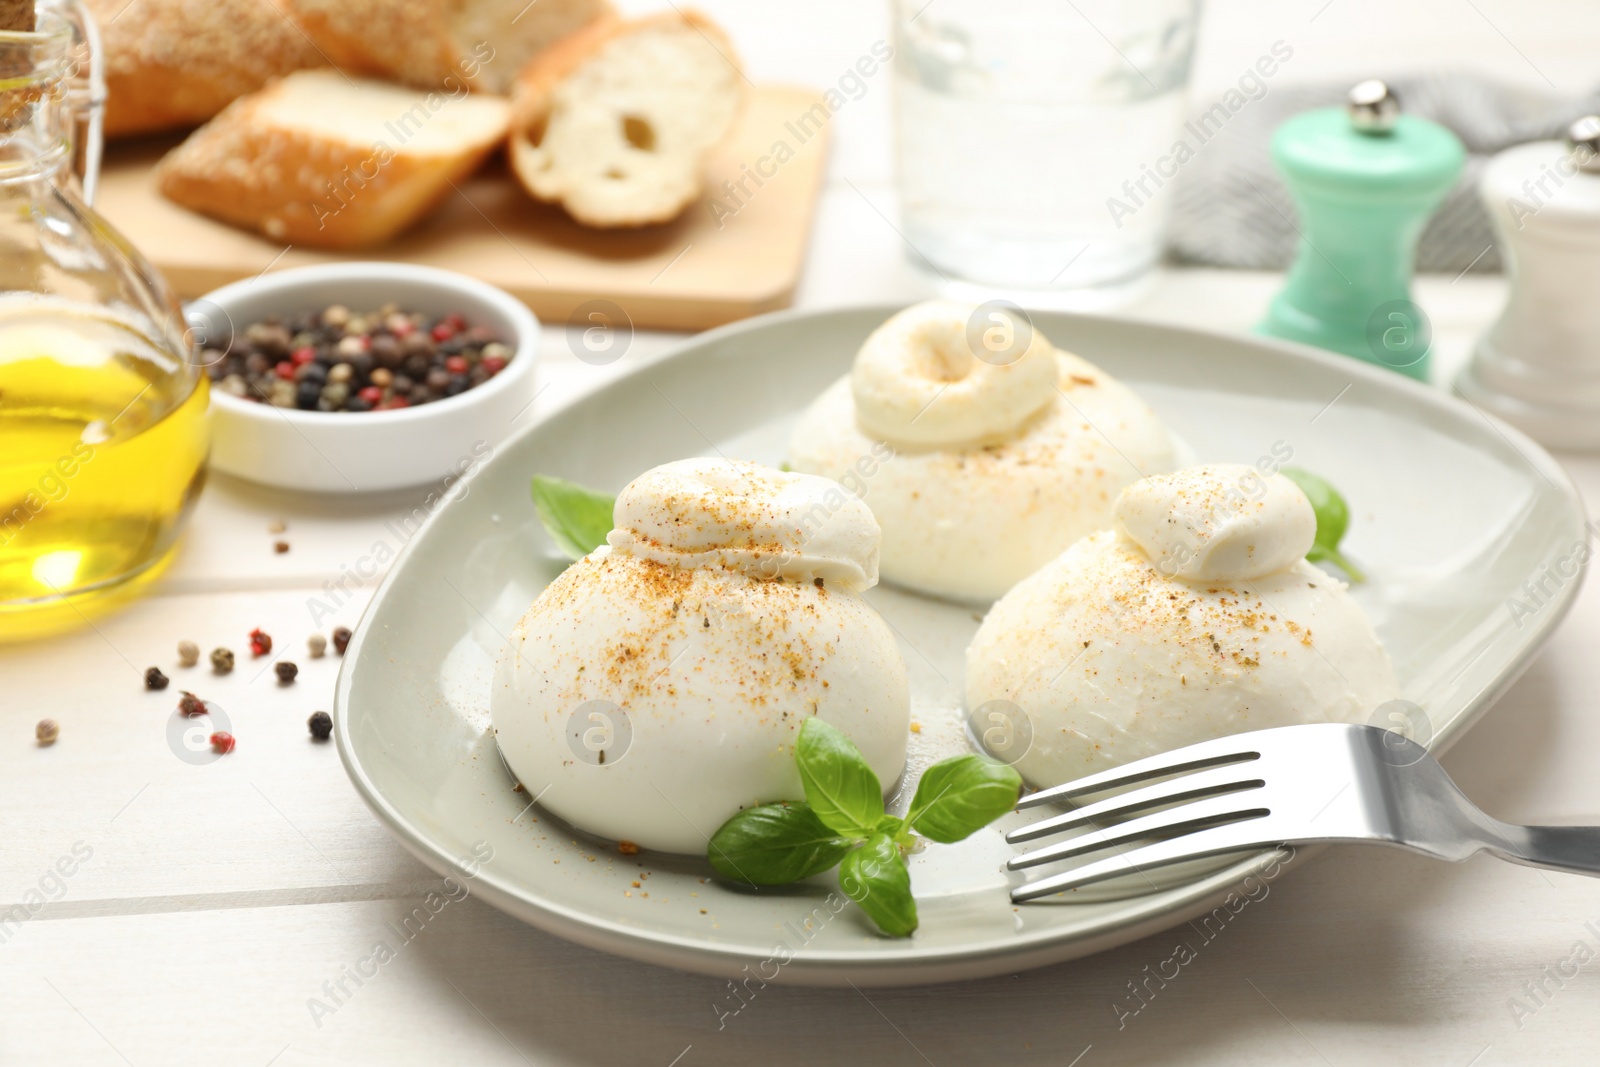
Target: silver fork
pixel 1326 782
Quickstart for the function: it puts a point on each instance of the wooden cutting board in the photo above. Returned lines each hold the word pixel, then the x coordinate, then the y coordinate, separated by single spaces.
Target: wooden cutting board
pixel 735 252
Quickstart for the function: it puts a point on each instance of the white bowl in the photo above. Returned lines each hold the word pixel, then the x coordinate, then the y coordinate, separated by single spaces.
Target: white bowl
pixel 343 452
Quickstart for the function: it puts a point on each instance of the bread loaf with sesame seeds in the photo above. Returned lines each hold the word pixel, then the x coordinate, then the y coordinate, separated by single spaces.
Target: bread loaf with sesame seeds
pixel 175 63
pixel 616 121
pixel 438 43
pixel 324 160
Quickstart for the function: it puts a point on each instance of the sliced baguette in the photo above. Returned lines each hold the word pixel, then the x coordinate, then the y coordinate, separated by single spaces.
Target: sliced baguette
pixel 615 122
pixel 317 159
pixel 440 43
pixel 176 63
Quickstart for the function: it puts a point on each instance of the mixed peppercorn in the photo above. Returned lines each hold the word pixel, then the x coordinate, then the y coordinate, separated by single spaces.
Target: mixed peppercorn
pixel 339 360
pixel 320 724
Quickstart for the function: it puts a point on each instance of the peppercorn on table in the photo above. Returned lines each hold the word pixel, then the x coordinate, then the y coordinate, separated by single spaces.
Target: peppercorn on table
pixel 246 908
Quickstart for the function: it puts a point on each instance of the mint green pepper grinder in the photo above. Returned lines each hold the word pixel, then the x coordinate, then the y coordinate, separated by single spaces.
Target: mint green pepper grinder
pixel 1365 178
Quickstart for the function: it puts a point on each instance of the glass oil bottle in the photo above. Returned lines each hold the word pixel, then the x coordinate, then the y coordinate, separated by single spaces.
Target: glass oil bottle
pixel 103 426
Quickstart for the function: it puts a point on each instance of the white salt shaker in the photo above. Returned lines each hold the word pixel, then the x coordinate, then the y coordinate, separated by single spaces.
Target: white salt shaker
pixel 1538 366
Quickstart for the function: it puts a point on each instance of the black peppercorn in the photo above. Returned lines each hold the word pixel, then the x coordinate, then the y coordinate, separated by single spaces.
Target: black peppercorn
pixel 154 679
pixel 286 671
pixel 306 396
pixel 385 351
pixel 269 337
pixel 341 638
pixel 416 343
pixel 321 726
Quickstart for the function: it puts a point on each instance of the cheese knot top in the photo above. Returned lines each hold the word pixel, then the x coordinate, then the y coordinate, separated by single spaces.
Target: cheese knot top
pixel 933 377
pixel 766 523
pixel 1225 522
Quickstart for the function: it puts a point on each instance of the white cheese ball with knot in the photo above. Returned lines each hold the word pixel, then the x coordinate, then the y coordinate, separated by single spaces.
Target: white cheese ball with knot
pixel 980 467
pixel 1196 619
pixel 659 684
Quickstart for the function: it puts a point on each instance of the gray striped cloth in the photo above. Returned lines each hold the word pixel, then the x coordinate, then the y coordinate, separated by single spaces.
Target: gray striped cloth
pixel 1231 208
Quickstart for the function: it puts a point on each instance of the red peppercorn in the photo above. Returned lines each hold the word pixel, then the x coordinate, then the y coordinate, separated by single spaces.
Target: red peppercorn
pixel 397 402
pixel 402 327
pixel 371 394
pixel 190 705
pixel 284 370
pixel 303 355
pixel 456 364
pixel 443 332
pixel 493 364
pixel 260 642
pixel 222 742
pixel 456 321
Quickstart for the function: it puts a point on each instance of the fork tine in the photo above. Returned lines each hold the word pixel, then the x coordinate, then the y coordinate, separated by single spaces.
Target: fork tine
pixel 1234 837
pixel 1235 749
pixel 1229 778
pixel 1189 819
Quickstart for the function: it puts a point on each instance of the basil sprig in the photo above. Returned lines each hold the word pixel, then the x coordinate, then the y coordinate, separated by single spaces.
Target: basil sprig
pixel 842 822
pixel 1333 519
pixel 576 518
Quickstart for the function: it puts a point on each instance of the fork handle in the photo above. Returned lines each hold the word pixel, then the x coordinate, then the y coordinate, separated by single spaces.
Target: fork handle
pixel 1561 848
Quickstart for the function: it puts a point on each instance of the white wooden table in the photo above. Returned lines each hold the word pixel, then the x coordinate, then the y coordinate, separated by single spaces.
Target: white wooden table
pixel 208 906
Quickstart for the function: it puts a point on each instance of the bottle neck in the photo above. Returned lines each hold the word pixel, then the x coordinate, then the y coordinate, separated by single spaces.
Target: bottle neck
pixel 36 70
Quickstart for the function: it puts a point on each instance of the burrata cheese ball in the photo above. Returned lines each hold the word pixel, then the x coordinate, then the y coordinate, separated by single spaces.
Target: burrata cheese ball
pixel 980 465
pixel 1195 618
pixel 659 684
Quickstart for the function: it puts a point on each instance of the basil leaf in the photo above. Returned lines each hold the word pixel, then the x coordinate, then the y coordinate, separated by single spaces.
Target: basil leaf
pixel 775 844
pixel 962 794
pixel 875 877
pixel 576 518
pixel 1333 519
pixel 840 787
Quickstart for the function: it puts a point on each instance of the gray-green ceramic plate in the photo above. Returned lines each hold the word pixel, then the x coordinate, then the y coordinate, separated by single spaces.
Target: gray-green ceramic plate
pixel 1453 512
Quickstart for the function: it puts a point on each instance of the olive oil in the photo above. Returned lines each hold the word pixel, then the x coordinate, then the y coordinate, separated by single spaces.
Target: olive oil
pixel 103 443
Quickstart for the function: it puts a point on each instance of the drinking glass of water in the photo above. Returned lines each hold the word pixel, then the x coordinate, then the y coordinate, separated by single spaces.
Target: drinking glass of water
pixel 1029 134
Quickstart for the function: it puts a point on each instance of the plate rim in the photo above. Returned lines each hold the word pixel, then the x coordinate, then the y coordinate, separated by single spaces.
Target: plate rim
pixel 1144 915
